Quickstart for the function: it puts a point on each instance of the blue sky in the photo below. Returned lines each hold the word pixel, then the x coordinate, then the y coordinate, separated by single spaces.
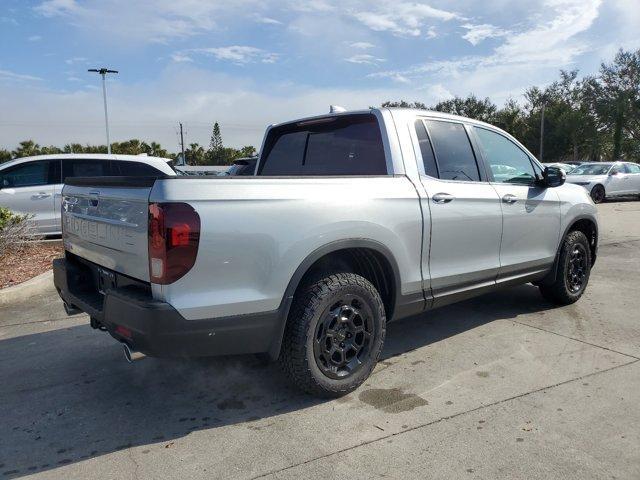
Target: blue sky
pixel 248 63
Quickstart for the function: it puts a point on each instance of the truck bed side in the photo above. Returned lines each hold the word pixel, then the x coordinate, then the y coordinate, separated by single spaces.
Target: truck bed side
pixel 255 233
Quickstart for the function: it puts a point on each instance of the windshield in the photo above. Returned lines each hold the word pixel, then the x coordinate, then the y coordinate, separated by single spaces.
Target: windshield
pixel 591 169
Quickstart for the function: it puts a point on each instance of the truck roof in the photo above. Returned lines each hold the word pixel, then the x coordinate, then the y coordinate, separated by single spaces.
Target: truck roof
pixel 411 111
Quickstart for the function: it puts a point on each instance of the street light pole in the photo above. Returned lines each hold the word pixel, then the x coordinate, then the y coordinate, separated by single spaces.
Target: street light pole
pixel 103 72
pixel 542 131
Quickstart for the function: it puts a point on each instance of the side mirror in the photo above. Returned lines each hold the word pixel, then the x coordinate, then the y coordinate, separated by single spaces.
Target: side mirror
pixel 613 172
pixel 553 177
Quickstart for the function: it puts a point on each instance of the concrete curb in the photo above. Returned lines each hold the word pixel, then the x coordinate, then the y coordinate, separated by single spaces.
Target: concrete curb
pixel 25 290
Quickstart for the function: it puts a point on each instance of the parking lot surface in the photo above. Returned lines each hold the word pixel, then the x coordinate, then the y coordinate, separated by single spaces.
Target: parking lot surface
pixel 501 386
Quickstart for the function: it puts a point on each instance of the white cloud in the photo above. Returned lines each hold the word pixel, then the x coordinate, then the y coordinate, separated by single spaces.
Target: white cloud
pixel 477 33
pixel 237 54
pixel 51 8
pixel 365 59
pixel 402 18
pixel 522 59
pixel 7 75
pixel 361 45
pixel 439 92
pixel 34 38
pixel 75 60
pixel 268 20
pixel 150 109
pixel 180 57
pixel 553 41
pixel 140 22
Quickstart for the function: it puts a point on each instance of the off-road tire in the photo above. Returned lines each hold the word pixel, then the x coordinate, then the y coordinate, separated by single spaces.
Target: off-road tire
pixel 310 306
pixel 560 291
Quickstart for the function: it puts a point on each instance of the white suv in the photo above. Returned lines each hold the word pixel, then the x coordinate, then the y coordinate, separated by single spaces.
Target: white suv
pixel 33 185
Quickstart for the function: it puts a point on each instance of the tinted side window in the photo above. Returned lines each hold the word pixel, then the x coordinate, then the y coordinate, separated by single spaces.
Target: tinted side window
pixel 508 163
pixel 30 174
pixel 454 154
pixel 84 167
pixel 633 168
pixel 134 169
pixel 348 145
pixel 426 150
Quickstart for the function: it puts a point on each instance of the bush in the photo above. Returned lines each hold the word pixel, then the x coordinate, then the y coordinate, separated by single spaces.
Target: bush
pixel 15 230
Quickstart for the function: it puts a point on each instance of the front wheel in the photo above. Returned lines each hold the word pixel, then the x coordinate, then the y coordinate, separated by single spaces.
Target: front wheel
pixel 574 269
pixel 598 194
pixel 334 335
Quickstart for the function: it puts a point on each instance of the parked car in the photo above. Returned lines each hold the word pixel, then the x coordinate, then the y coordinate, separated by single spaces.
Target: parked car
pixel 607 179
pixel 242 167
pixel 574 163
pixel 33 185
pixel 567 167
pixel 353 220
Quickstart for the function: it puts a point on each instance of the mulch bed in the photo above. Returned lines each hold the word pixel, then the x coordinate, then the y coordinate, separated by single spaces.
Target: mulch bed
pixel 18 266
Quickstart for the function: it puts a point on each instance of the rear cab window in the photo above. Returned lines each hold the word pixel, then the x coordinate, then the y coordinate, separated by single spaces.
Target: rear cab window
pixel 332 146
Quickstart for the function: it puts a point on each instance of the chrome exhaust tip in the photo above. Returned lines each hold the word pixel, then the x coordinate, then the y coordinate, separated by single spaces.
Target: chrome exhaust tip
pixel 131 355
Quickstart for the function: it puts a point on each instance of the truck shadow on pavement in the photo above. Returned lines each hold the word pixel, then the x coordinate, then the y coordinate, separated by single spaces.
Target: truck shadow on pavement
pixel 67 395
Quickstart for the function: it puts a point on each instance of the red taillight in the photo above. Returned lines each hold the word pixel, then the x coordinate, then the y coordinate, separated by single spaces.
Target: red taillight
pixel 174 234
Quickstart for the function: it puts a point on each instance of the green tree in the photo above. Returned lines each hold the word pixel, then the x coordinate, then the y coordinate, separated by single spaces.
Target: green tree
pixel 5 155
pixel 195 155
pixel 26 148
pixel 471 107
pixel 404 104
pixel 616 94
pixel 247 151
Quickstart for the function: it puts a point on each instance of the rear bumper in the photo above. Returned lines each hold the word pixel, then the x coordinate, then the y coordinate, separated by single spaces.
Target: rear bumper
pixel 156 328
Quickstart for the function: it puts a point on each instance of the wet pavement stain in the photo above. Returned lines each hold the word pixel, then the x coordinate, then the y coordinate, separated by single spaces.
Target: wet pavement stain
pixel 392 400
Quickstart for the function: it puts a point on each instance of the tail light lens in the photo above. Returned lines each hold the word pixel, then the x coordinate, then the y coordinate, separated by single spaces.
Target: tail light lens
pixel 174 234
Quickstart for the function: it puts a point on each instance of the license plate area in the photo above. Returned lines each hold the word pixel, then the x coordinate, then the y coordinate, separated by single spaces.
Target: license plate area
pixel 106 280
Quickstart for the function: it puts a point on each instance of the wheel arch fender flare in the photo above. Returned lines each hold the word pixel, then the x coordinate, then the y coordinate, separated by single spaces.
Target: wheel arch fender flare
pixel 554 270
pixel 309 261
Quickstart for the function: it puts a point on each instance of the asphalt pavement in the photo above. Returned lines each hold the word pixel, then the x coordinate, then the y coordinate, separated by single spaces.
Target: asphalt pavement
pixel 501 386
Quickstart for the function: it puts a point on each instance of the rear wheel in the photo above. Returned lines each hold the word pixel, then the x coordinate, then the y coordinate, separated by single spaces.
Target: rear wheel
pixel 334 335
pixel 598 194
pixel 574 269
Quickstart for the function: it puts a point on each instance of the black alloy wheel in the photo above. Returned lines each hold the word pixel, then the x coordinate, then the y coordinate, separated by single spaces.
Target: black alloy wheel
pixel 577 268
pixel 598 194
pixel 342 341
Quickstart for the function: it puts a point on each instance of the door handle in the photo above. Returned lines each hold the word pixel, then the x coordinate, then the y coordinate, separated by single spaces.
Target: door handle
pixel 41 195
pixel 443 198
pixel 509 198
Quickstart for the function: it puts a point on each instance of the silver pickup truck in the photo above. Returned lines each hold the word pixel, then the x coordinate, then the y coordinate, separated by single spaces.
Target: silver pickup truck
pixel 352 220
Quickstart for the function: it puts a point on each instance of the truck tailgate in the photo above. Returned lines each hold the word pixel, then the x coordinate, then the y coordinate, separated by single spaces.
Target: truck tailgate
pixel 106 223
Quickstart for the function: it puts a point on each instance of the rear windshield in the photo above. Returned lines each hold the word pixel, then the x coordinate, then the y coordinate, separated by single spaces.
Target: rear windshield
pixel 345 145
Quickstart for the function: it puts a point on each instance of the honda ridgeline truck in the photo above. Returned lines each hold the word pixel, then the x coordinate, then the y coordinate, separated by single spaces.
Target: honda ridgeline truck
pixel 351 220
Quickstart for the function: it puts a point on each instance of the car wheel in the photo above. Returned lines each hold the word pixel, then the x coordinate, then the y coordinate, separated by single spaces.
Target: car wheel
pixel 574 269
pixel 334 335
pixel 598 194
